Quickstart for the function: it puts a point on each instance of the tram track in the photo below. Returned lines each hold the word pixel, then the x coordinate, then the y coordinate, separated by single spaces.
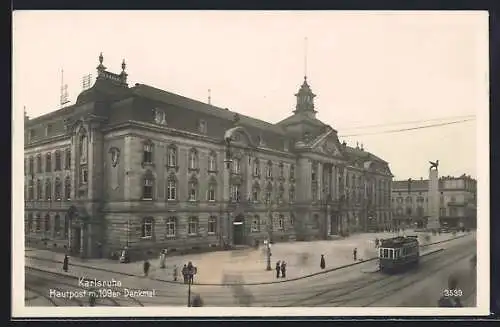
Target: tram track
pixel 379 282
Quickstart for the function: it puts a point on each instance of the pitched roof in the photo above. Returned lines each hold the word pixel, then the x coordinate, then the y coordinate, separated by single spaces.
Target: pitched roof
pixel 298 118
pixel 191 104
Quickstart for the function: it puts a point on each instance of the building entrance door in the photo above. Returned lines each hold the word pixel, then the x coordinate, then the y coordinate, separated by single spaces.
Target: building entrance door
pixel 334 224
pixel 239 230
pixel 76 240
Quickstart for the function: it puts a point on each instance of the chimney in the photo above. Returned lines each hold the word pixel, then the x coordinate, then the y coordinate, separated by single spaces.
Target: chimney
pixel 362 148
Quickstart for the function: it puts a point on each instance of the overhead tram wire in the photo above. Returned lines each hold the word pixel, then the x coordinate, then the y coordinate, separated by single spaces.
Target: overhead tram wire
pixel 409 128
pixel 408 122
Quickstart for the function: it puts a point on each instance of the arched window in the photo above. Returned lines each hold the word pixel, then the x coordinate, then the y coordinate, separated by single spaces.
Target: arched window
pixel 255 224
pixel 171 226
pixel 58 161
pixel 39 189
pixel 31 165
pixel 255 192
pixel 46 223
pixel 48 189
pixel 57 189
pixel 57 225
pixel 67 188
pixel 30 190
pixel 171 188
pixel 347 180
pixel 212 162
pixel 39 163
pixel 269 169
pixel 172 156
pixel 67 159
pixel 38 222
pixel 212 225
pixel 256 168
pixel 193 189
pixel 212 187
pixel 147 152
pixel 193 159
pixel 147 227
pixel 147 188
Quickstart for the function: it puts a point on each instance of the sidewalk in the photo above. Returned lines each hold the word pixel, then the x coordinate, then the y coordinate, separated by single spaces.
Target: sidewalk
pixel 302 258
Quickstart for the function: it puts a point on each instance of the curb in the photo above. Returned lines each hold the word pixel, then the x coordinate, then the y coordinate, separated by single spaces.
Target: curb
pixel 232 284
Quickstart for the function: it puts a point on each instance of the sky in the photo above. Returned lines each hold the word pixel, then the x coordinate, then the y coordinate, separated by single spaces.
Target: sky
pixel 366 68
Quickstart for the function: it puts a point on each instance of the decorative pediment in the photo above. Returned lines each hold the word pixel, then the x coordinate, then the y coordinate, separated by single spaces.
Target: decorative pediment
pixel 328 146
pixel 239 136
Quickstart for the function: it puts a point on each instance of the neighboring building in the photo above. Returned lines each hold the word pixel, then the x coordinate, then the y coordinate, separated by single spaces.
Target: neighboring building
pixel 457 202
pixel 145 168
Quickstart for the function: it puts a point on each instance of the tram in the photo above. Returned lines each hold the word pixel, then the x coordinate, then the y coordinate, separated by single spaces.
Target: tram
pixel 398 253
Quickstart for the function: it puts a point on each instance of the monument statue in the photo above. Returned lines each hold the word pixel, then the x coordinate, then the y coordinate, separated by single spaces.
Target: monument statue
pixel 434 165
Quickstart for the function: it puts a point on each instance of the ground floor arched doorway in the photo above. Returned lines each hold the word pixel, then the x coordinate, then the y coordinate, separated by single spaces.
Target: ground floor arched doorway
pixel 239 230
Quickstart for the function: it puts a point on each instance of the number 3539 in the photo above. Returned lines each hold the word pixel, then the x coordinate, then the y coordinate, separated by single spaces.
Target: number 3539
pixel 452 292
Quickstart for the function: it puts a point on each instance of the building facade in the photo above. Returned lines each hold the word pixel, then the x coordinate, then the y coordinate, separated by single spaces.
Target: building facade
pixel 457 202
pixel 148 169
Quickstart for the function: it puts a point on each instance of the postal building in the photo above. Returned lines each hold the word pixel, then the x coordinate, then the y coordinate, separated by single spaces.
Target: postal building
pixel 145 168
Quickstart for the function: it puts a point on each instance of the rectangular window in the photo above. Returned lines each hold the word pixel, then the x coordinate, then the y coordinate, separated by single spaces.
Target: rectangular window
pixel 171 190
pixel 235 193
pixel 192 191
pixel 193 226
pixel 281 222
pixel 148 153
pixel 269 171
pixel 255 195
pixel 292 172
pixel 172 157
pixel 212 225
pixel 291 195
pixel 84 174
pixel 67 160
pixel 147 228
pixel 39 164
pixel 255 224
pixel 211 163
pixel 256 169
pixel 268 196
pixel 211 193
pixel 171 227
pixel 148 189
pixel 236 166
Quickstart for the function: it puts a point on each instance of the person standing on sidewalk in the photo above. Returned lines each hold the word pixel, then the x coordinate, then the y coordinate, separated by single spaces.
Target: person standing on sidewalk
pixel 65 263
pixel 278 268
pixel 355 254
pixel 322 263
pixel 176 271
pixel 283 269
pixel 185 273
pixel 146 267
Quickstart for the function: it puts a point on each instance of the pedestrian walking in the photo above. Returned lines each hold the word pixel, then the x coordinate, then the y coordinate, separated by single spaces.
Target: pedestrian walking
pixel 322 263
pixel 146 267
pixel 65 263
pixel 377 242
pixel 185 273
pixel 162 259
pixel 190 271
pixel 283 269
pixel 278 268
pixel 355 254
pixel 175 273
